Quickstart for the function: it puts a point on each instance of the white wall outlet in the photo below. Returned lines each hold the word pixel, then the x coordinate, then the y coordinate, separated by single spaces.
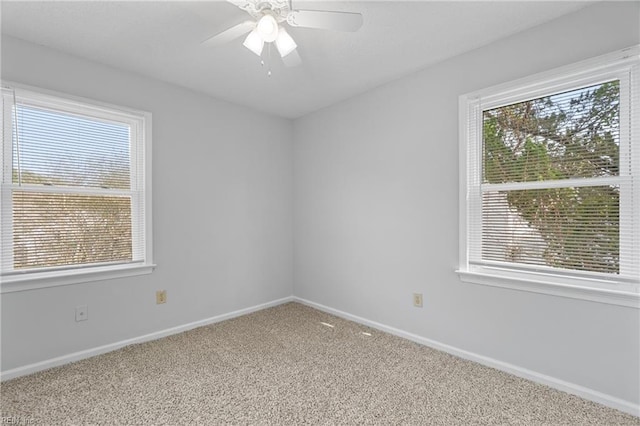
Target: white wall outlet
pixel 417 300
pixel 82 313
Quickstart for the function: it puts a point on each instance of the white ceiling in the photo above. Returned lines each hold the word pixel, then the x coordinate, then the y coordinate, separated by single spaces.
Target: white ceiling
pixel 162 39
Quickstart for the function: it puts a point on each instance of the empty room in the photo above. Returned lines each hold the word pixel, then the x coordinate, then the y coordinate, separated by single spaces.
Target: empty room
pixel 276 212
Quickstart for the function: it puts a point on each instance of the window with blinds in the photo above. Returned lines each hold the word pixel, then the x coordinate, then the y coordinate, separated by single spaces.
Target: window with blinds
pixel 551 194
pixel 73 186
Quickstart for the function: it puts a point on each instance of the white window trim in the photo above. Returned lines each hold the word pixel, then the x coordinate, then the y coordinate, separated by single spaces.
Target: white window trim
pixel 53 278
pixel 581 74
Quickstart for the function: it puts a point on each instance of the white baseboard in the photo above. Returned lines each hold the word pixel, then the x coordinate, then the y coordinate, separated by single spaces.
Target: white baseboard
pixel 77 356
pixel 572 388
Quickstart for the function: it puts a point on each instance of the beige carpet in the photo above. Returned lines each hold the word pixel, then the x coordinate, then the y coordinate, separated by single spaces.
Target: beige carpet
pixel 283 366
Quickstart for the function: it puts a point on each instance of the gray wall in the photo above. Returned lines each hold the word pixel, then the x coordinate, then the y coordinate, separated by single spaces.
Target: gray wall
pixel 376 215
pixel 222 215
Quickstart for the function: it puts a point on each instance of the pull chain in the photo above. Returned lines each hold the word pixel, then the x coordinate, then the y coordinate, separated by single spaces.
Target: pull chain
pixel 268 63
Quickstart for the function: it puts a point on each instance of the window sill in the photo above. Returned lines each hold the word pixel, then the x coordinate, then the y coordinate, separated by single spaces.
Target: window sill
pixel 548 285
pixel 38 280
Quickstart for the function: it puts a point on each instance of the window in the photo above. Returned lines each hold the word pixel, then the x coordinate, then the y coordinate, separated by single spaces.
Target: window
pixel 75 196
pixel 550 196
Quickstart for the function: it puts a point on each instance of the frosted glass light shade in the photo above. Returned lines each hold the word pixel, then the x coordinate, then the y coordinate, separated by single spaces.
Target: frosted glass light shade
pixel 285 43
pixel 254 42
pixel 267 28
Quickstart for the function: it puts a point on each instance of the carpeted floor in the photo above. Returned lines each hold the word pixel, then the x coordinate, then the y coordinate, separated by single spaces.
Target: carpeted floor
pixel 283 366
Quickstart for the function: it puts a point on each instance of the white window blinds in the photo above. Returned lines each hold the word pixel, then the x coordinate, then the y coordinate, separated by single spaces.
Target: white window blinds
pixel 551 186
pixel 73 188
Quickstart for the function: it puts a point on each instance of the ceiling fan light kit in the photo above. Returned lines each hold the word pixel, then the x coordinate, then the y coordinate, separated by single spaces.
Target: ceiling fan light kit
pixel 271 15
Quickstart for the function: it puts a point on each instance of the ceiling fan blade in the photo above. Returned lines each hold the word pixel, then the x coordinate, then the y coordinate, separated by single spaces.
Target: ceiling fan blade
pixel 340 21
pixel 230 34
pixel 292 59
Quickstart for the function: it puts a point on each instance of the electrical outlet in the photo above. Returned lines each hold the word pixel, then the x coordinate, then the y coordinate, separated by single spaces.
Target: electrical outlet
pixel 417 300
pixel 82 313
pixel 161 297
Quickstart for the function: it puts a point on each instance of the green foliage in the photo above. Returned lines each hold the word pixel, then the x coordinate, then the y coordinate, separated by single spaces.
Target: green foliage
pixel 560 137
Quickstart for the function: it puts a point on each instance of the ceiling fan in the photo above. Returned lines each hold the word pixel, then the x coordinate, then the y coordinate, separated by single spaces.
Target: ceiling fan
pixel 268 25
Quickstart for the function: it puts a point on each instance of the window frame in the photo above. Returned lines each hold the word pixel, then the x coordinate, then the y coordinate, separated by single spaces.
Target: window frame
pixel 141 125
pixel 623 65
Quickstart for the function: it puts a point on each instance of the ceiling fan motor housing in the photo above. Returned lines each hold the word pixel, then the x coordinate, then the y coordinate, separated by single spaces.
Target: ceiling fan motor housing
pixel 279 9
